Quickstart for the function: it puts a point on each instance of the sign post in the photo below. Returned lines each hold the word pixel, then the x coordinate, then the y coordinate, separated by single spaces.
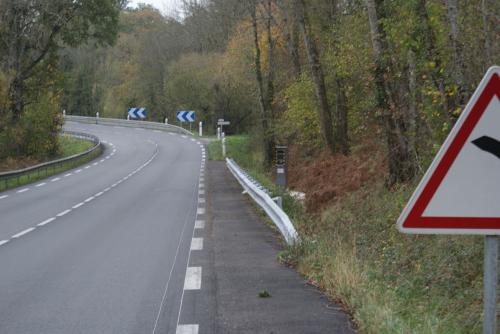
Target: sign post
pixel 490 284
pixel 459 192
pixel 221 122
pixel 223 145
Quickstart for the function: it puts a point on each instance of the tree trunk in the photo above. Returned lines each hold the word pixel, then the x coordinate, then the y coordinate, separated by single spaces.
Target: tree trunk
pixel 458 60
pixel 486 31
pixel 291 39
pixel 402 166
pixel 341 121
pixel 270 141
pixel 264 111
pixel 432 55
pixel 341 108
pixel 325 115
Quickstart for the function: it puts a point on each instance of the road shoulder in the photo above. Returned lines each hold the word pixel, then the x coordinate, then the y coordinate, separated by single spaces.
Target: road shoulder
pixel 244 262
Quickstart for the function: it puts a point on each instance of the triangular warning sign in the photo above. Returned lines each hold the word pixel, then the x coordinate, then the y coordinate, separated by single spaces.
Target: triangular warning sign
pixel 460 192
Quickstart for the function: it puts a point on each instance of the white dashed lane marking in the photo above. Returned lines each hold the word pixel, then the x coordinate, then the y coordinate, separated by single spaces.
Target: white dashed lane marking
pixel 3 242
pixel 26 231
pixel 41 184
pixel 46 221
pixel 55 179
pixel 78 205
pixel 60 214
pixel 199 224
pixel 4 196
pixel 187 329
pixel 23 190
pixel 69 174
pixel 200 211
pixel 193 278
pixel 89 199
pixel 197 244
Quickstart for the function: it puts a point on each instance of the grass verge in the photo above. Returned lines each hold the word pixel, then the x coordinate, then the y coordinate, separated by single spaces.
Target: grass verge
pixel 390 282
pixel 69 147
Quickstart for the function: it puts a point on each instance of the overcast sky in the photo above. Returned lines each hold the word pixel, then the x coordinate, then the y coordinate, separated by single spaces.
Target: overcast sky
pixel 165 6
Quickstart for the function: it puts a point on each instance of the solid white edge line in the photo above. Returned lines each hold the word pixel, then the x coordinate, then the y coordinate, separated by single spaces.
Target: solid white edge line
pixel 46 221
pixel 187 329
pixel 60 214
pixel 20 234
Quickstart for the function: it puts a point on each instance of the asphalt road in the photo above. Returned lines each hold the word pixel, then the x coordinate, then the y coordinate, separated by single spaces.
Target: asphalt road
pixel 104 248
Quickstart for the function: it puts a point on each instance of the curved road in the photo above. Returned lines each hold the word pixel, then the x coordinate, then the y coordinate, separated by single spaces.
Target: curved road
pixel 103 248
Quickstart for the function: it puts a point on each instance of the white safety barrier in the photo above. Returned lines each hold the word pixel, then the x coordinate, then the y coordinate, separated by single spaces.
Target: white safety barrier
pixel 277 215
pixel 127 123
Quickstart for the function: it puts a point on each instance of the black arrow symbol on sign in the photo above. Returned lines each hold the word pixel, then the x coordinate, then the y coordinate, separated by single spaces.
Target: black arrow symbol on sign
pixel 488 144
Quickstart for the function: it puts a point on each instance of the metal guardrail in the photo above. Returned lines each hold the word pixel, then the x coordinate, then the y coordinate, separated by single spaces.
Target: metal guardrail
pixel 262 198
pixel 127 123
pixel 43 168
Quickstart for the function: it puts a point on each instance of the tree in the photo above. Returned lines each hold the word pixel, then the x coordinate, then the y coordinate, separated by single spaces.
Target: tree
pixel 33 30
pixel 325 114
pixel 265 97
pixel 402 164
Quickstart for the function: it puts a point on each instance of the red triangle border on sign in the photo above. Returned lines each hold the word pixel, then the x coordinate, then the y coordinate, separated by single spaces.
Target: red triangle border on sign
pixel 415 219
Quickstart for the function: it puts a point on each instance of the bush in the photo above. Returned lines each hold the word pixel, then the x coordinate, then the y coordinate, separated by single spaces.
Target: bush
pixel 36 135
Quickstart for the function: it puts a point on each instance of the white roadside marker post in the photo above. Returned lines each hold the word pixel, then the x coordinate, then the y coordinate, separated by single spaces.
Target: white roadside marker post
pixel 223 145
pixel 96 117
pixel 166 120
pixel 200 129
pixel 490 284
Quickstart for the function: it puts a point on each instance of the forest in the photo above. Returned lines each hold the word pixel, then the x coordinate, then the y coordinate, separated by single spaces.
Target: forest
pixel 368 89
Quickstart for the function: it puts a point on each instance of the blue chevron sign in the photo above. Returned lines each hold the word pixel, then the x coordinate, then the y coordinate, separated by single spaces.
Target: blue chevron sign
pixel 137 112
pixel 185 116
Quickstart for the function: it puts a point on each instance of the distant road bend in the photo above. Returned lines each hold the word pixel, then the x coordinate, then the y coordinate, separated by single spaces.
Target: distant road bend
pixel 103 248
